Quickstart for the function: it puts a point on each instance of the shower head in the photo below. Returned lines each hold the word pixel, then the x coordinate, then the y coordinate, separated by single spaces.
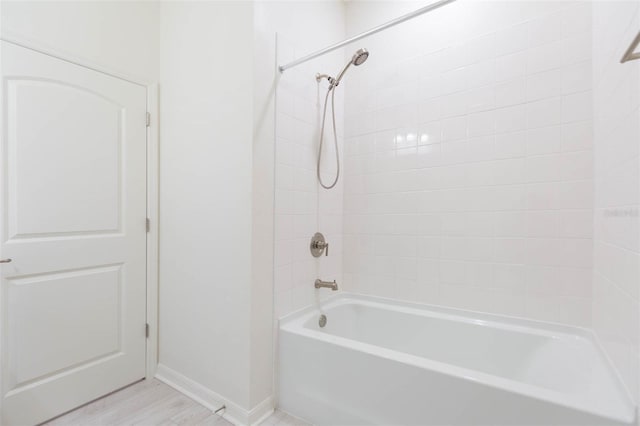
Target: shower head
pixel 358 58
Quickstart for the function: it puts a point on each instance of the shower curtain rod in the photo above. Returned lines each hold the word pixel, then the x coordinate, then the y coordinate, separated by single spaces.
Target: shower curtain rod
pixel 372 31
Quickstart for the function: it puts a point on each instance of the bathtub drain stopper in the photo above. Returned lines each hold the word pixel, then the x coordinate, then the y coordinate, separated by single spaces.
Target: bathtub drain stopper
pixel 322 321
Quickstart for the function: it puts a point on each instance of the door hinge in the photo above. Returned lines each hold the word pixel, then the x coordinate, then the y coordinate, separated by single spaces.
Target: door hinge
pixel 148 119
pixel 148 224
pixel 146 330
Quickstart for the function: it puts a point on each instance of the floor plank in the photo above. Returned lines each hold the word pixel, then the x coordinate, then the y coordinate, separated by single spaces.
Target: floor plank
pixel 153 403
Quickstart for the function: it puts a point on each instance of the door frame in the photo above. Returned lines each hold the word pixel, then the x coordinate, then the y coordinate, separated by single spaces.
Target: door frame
pixel 152 199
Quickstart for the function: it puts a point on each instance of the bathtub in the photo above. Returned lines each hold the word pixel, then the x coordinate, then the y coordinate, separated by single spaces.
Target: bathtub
pixel 379 361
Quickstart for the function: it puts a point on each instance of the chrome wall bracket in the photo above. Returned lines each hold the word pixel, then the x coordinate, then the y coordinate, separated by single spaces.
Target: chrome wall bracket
pixel 630 54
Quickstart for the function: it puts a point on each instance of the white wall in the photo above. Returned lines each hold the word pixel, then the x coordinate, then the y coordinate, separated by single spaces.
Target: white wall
pixel 206 71
pixel 119 36
pixel 264 87
pixel 469 160
pixel 302 207
pixel 216 308
pixel 616 291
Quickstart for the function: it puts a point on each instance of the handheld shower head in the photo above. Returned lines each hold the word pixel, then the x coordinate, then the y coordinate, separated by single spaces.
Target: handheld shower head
pixel 360 57
pixel 357 59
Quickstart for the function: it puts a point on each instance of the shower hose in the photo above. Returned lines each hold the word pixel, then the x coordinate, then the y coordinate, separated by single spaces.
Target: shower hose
pixel 335 137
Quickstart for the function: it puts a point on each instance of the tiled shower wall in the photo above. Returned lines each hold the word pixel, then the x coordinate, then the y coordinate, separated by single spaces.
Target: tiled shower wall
pixel 616 291
pixel 469 162
pixel 303 208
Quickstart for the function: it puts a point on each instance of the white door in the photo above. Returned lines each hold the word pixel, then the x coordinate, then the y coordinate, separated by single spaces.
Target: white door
pixel 72 221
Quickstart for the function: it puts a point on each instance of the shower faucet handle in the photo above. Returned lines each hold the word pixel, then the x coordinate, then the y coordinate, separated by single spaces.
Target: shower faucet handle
pixel 324 246
pixel 318 245
pixel 321 246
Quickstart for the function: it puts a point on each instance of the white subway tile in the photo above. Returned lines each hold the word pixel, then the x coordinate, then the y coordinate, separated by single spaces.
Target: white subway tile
pixel 543 223
pixel 545 308
pixel 544 140
pixel 453 272
pixel 510 145
pixel 576 253
pixel 576 107
pixel 576 77
pixel 481 124
pixel 429 110
pixel 405 268
pixel 511 92
pixel 429 133
pixel 509 224
pixel 545 57
pixel 509 276
pixel 544 251
pixel 428 271
pixel 453 81
pixel 543 85
pixel 576 223
pixel 508 250
pixel 576 48
pixel 454 152
pixel 576 165
pixel 430 87
pixel 454 129
pixel 512 39
pixel 481 73
pixel 453 105
pixel 543 168
pixel 577 136
pixel 544 29
pixel 512 66
pixel 511 119
pixel 480 148
pixel 576 282
pixel 480 274
pixel 577 19
pixel 575 195
pixel 480 99
pixel 543 280
pixel 543 196
pixel 479 48
pixel 543 113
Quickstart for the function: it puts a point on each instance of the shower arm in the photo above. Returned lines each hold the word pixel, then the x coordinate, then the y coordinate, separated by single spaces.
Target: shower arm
pixel 372 31
pixel 333 82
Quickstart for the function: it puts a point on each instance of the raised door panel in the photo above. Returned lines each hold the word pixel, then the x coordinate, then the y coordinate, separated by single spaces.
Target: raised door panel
pixel 64 159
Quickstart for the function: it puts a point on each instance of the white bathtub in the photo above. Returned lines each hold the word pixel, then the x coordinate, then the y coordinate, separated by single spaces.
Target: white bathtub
pixel 379 361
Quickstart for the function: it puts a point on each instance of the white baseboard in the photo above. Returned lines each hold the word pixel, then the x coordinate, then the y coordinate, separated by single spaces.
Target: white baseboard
pixel 233 412
pixel 260 412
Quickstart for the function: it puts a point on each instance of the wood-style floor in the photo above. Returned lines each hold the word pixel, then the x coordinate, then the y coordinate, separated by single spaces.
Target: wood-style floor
pixel 152 403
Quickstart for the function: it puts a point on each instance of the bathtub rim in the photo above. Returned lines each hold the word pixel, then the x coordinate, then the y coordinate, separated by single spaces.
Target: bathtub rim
pixel 294 322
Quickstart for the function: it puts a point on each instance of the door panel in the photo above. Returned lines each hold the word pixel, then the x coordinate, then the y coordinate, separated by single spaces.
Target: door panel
pixel 72 219
pixel 90 317
pixel 77 123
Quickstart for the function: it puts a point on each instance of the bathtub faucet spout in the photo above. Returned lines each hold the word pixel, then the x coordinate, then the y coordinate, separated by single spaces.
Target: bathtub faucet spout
pixel 326 284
